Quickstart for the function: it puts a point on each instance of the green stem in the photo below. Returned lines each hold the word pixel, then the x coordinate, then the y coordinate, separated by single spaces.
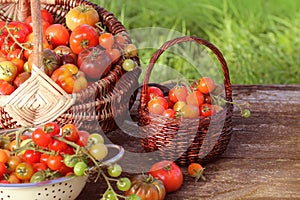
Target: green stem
pixel 15 40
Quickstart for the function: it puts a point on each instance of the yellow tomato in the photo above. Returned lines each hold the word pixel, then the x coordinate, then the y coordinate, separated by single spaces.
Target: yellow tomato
pixel 8 71
pixel 82 14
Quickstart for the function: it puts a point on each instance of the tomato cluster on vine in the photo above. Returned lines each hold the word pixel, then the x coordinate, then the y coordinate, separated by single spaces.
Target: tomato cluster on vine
pixel 73 55
pixel 49 152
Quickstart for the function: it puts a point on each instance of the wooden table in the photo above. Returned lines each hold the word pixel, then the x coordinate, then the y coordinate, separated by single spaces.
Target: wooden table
pixel 262 160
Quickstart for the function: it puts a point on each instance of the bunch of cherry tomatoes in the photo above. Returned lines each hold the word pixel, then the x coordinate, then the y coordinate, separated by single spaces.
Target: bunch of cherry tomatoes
pixel 187 102
pixel 48 152
pixel 73 56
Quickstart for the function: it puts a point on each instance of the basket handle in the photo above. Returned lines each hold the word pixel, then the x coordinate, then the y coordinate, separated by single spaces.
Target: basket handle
pixel 170 43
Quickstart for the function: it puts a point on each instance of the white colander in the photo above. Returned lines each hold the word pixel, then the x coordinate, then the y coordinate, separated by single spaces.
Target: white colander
pixel 64 188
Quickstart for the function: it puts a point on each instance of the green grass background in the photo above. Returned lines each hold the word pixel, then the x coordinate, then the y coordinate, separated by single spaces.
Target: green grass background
pixel 260 39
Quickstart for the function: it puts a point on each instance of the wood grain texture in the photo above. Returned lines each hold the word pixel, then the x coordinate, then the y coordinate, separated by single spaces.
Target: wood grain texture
pixel 262 160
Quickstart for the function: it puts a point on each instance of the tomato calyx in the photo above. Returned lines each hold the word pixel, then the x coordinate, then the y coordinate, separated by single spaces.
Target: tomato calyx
pixel 84 9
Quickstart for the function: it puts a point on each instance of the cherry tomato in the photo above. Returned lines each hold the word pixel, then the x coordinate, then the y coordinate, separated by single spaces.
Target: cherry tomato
pixel 114 170
pixel 55 162
pixel 57 35
pixel 65 169
pixel 3 156
pixel 70 161
pixel 170 113
pixel 83 37
pixel 206 85
pixel 3 169
pixel 206 110
pixel 18 30
pixel 157 105
pixel 114 55
pixel 13 179
pixel 123 184
pixel 17 53
pixel 83 138
pixel 98 151
pixel 31 156
pixel 57 146
pixel 19 64
pixel 154 92
pixel 82 14
pixel 6 88
pixel 128 65
pixel 196 170
pixel 52 128
pixel 24 171
pixel 47 16
pixel 79 168
pixel 38 176
pixel 70 132
pixel 130 50
pixel 12 163
pixel 169 173
pixel 178 106
pixel 21 78
pixel 40 138
pixel 95 138
pixel 39 166
pixel 195 98
pixel 106 40
pixel 189 111
pixel 179 93
pixel 44 158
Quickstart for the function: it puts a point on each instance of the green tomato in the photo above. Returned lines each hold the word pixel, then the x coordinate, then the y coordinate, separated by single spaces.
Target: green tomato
pixel 95 138
pixel 246 113
pixel 98 151
pixel 38 176
pixel 128 65
pixel 80 168
pixel 123 184
pixel 109 195
pixel 70 160
pixel 133 197
pixel 114 170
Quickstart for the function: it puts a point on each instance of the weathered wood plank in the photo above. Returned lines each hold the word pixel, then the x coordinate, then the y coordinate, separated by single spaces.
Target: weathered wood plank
pixel 262 160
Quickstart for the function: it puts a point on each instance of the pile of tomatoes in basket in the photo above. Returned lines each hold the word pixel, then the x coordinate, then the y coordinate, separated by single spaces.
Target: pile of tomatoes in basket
pixel 199 100
pixel 48 152
pixel 73 55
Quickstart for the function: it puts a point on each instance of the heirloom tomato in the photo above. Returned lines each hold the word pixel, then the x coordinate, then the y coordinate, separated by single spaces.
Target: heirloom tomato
pixel 178 93
pixel 206 85
pixel 57 35
pixel 47 16
pixel 28 22
pixel 69 78
pixel 82 37
pixel 21 78
pixel 8 71
pixel 94 62
pixel 82 14
pixel 65 55
pixel 169 173
pixel 6 88
pixel 147 188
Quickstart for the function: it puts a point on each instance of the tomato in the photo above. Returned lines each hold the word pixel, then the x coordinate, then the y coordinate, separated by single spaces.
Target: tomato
pixel 57 35
pixel 24 171
pixel 128 65
pixel 179 105
pixel 65 55
pixel 47 16
pixel 40 138
pixel 157 105
pixel 21 78
pixel 57 145
pixel 123 184
pixel 6 88
pixel 69 78
pixel 130 51
pixel 52 128
pixel 170 113
pixel 12 163
pixel 114 170
pixel 206 85
pixel 106 40
pixel 44 158
pixel 246 113
pixel 206 110
pixel 8 71
pixel 3 169
pixel 189 111
pixel 79 168
pixel 196 170
pixel 65 170
pixel 147 188
pixel 195 98
pixel 70 132
pixel 94 62
pixel 13 179
pixel 98 151
pixel 38 176
pixel 95 138
pixel 169 173
pixel 82 14
pixel 179 93
pixel 55 162
pixel 39 166
pixel 19 30
pixel 83 37
pixel 69 150
pixel 8 46
pixel 154 92
pixel 114 55
pixel 83 138
pixel 19 63
pixel 28 22
pixel 70 161
pixel 17 53
pixel 3 156
pixel 31 156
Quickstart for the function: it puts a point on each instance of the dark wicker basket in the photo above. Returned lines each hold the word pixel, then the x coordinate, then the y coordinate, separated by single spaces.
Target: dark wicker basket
pixel 186 140
pixel 103 101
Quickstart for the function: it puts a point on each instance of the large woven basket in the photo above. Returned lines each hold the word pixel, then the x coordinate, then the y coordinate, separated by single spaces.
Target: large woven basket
pixel 39 99
pixel 185 140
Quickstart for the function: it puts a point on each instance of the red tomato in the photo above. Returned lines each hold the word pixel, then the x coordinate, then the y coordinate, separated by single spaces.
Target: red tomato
pixel 31 156
pixel 44 158
pixel 169 173
pixel 6 88
pixel 206 85
pixel 55 162
pixel 39 166
pixel 19 63
pixel 83 138
pixel 17 53
pixel 2 169
pixel 157 105
pixel 206 110
pixel 114 55
pixel 196 170
pixel 52 128
pixel 190 111
pixel 195 98
pixel 47 16
pixel 19 30
pixel 21 78
pixel 106 40
pixel 169 113
pixel 94 62
pixel 28 22
pixel 57 146
pixel 154 92
pixel 70 132
pixel 178 94
pixel 40 138
pixel 65 170
pixel 82 37
pixel 69 150
pixel 57 35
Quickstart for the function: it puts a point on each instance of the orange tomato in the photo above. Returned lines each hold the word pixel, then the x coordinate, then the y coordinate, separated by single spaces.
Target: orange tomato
pixel 196 170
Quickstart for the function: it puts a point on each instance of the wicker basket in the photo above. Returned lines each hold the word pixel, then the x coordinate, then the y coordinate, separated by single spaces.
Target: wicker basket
pixel 185 140
pixel 39 99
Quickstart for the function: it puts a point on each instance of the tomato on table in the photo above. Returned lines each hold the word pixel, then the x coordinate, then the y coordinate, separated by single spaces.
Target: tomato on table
pixel 169 173
pixel 196 170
